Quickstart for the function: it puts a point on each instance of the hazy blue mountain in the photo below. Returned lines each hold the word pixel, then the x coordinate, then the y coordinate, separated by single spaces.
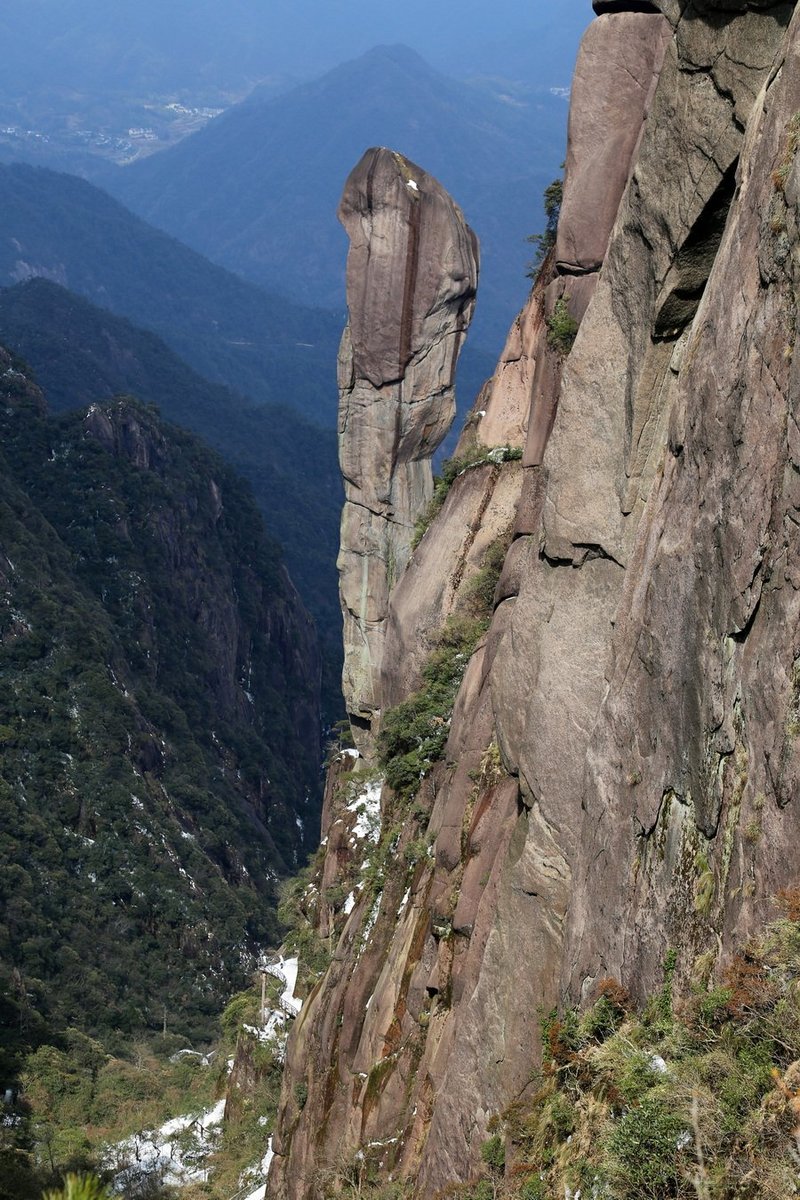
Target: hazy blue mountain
pixel 82 354
pixel 85 83
pixel 142 45
pixel 257 189
pixel 138 45
pixel 67 230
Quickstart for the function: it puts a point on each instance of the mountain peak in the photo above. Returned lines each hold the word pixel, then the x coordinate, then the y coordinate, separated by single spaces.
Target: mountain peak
pixel 397 53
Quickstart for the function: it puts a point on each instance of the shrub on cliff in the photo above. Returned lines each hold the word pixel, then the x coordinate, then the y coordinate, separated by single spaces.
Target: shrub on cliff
pixel 414 734
pixel 544 242
pixel 79 1187
pixel 562 328
pixel 451 469
pixel 696 1098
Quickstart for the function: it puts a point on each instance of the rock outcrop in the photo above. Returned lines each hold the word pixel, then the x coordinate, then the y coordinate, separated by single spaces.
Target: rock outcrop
pixel 693 757
pixel 620 776
pixel 412 274
pixel 618 66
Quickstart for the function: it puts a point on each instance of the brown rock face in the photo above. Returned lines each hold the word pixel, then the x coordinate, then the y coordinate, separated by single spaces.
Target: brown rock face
pixel 633 709
pixel 708 765
pixel 619 61
pixel 411 270
pixel 412 273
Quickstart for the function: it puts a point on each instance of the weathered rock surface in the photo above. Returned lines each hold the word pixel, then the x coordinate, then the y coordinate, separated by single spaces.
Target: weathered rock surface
pixel 479 511
pixel 619 61
pixel 412 273
pixel 694 752
pixel 633 710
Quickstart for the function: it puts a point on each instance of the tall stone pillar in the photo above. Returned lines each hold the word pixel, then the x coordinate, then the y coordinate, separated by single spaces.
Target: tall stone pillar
pixel 412 275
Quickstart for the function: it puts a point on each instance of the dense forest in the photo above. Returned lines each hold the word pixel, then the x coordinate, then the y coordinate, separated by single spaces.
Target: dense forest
pixel 160 731
pixel 82 354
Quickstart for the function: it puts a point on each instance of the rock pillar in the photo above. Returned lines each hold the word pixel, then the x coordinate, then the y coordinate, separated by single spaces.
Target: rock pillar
pixel 412 274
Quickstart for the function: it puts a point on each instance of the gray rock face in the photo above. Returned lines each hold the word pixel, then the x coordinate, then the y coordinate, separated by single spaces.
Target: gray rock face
pixel 619 61
pixel 618 66
pixel 695 747
pixel 412 274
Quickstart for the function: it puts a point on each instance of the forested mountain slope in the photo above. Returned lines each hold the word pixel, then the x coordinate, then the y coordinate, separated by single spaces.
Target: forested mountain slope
pixel 159 720
pixel 83 354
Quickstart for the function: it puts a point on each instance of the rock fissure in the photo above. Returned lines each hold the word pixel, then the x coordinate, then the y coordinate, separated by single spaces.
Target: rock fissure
pixel 617 6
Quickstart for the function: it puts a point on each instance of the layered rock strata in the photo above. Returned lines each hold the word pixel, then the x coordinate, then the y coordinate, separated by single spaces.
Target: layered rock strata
pixel 622 765
pixel 412 273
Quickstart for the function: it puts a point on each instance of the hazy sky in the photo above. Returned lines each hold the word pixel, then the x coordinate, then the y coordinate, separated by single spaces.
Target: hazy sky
pixel 437 28
pixel 92 43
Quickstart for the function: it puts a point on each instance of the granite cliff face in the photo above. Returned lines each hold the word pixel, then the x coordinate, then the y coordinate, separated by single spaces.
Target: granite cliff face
pixel 412 273
pixel 620 774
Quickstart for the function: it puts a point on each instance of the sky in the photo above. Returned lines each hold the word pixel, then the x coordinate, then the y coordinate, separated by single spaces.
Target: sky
pixel 118 43
pixel 447 32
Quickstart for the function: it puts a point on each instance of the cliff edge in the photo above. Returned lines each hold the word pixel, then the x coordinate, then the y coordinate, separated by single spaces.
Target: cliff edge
pixel 614 781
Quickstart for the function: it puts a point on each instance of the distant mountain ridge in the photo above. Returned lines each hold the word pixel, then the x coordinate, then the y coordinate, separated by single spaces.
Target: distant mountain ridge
pixel 67 230
pixel 257 189
pixel 82 354
pixel 194 44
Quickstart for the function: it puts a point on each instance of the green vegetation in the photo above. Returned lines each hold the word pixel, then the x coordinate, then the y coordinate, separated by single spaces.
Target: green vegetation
pixel 82 355
pixel 562 328
pixel 781 173
pixel 298 911
pixel 477 596
pixel 81 1098
pixel 414 734
pixel 689 1098
pixel 147 805
pixel 451 469
pixel 79 1103
pixel 493 1153
pixel 132 773
pixel 544 242
pixel 358 1178
pixel 249 1113
pixel 79 1187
